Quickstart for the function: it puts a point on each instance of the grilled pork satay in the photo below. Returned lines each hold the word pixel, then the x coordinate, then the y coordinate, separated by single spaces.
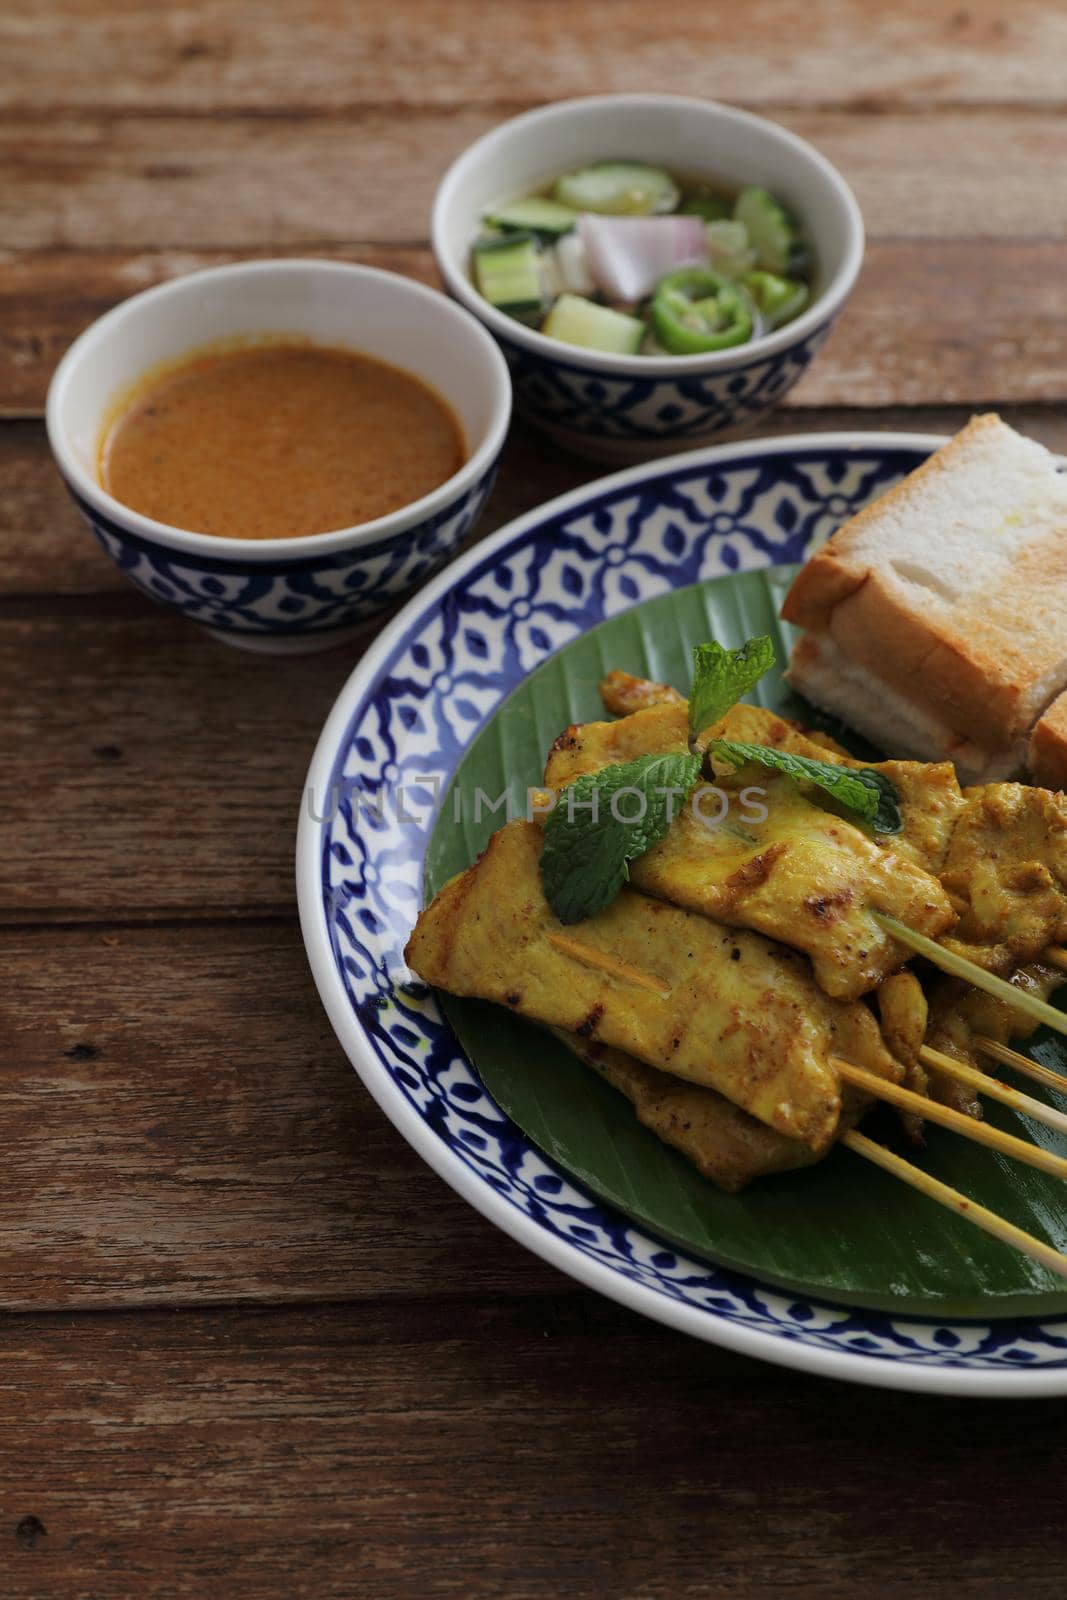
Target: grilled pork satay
pixel 958 1012
pixel 723 1008
pixel 802 875
pixel 623 693
pixel 723 1142
pixel 1006 872
pixel 903 1012
pixel 930 795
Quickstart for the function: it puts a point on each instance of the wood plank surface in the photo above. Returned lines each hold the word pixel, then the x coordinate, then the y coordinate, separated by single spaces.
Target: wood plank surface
pixel 315 56
pixel 260 1350
pixel 55 554
pixel 187 183
pixel 48 297
pixel 959 322
pixel 517 1450
pixel 152 771
pixel 178 1124
pixel 141 754
pixel 51 553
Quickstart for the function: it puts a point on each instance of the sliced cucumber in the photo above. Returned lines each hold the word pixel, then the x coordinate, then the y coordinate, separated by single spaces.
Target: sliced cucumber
pixel 730 248
pixel 779 299
pixel 508 273
pixel 618 189
pixel 582 322
pixel 533 215
pixel 773 232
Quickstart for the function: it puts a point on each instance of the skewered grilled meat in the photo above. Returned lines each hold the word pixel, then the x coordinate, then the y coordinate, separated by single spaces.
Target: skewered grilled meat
pixel 802 875
pixel 623 693
pixel 930 796
pixel 904 1014
pixel 721 1039
pixel 958 1012
pixel 1006 871
pixel 722 1141
pixel 719 1007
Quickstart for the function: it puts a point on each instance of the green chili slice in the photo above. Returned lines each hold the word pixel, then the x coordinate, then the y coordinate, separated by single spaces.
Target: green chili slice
pixel 694 310
pixel 779 299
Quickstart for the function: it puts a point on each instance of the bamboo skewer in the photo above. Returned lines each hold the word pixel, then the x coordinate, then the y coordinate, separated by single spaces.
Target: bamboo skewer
pixel 946 1117
pixel 1012 1058
pixel 960 967
pixel 984 1084
pixel 604 961
pixel 953 1200
pixel 905 1099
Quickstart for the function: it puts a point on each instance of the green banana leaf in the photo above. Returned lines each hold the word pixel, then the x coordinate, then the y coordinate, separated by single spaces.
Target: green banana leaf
pixel 842 1230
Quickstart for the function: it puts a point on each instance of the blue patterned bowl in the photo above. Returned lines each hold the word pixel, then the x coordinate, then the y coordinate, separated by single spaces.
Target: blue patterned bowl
pixel 439 673
pixel 284 595
pixel 631 408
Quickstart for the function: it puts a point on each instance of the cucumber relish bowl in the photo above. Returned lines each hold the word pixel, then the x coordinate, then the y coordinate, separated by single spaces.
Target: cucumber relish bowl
pixel 285 595
pixel 620 408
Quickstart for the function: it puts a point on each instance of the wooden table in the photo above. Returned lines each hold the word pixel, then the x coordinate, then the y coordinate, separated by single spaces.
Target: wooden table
pixel 254 1347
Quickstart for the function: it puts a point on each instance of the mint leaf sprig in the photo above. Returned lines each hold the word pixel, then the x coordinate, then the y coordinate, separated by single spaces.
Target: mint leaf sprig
pixel 603 821
pixel 606 819
pixel 870 794
pixel 721 677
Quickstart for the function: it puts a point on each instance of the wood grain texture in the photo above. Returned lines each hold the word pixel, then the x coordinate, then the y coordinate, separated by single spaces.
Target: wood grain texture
pixel 188 183
pixel 518 1450
pixel 315 56
pixel 428 1410
pixel 47 298
pixel 178 1125
pixel 911 334
pixel 46 550
pixel 44 545
pixel 152 771
pixel 126 732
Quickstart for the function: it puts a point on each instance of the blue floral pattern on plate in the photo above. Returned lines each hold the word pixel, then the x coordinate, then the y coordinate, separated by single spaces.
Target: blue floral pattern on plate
pixel 439 673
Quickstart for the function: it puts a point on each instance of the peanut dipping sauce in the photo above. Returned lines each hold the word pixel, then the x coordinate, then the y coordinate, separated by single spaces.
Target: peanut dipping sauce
pixel 277 439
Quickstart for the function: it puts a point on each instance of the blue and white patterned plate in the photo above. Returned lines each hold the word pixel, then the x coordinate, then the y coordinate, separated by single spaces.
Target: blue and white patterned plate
pixel 394 738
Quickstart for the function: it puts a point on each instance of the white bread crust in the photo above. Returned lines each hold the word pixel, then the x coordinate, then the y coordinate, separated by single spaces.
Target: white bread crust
pixel 952 587
pixel 1047 757
pixel 828 679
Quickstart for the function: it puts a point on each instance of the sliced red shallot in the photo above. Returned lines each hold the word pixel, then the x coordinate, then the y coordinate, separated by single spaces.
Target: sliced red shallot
pixel 627 256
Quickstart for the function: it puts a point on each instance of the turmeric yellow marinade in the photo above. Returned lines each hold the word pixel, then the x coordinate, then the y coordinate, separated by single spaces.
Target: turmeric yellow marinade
pixel 721 1039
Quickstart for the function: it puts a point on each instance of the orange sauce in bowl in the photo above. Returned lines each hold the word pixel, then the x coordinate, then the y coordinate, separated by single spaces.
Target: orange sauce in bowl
pixel 277 439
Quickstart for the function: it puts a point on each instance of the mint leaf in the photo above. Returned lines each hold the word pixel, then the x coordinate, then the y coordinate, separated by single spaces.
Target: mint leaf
pixel 603 821
pixel 887 817
pixel 870 794
pixel 721 677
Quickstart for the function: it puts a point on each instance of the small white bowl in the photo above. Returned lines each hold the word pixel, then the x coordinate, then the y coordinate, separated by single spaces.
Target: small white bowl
pixel 295 594
pixel 625 408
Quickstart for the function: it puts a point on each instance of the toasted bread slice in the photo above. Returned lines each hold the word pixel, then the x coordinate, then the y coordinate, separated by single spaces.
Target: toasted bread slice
pixel 951 590
pixel 826 677
pixel 1047 759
